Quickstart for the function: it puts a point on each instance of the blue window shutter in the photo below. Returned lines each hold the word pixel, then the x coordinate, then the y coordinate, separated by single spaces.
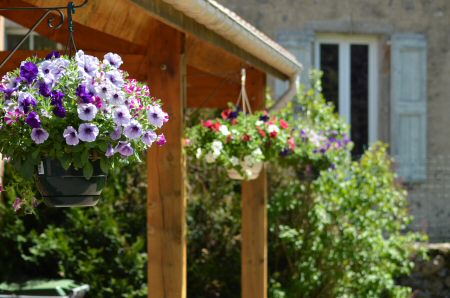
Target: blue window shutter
pixel 300 44
pixel 409 105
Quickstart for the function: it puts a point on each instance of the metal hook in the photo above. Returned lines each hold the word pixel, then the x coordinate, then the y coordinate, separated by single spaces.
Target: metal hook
pixel 50 23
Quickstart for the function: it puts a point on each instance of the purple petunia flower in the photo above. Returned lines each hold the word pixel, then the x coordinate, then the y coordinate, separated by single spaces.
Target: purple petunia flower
pixel 57 97
pixel 104 91
pixel 59 111
pixel 9 85
pixel 121 115
pixel 117 133
pixel 109 151
pixel 113 60
pixel 149 137
pixel 47 69
pixel 39 135
pixel 53 54
pixel 33 120
pixel 124 149
pixel 161 140
pixel 115 77
pixel 264 118
pixel 133 130
pixel 88 132
pixel 71 136
pixel 45 89
pixel 285 152
pixel 25 101
pixel 18 202
pixel 156 116
pixel 87 65
pixel 84 94
pixel 1 188
pixel 28 71
pixel 87 111
pixel 117 98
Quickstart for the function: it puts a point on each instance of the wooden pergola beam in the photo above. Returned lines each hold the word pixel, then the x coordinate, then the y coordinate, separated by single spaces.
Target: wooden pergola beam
pixel 166 196
pixel 205 90
pixel 101 25
pixel 254 212
pixel 133 63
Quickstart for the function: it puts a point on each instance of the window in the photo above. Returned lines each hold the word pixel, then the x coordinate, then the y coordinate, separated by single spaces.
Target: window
pixel 350 82
pixel 15 32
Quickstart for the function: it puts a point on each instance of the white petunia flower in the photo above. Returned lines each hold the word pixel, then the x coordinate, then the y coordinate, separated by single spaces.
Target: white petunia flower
pixel 234 161
pixel 224 130
pixel 198 154
pixel 217 146
pixel 210 158
pixel 273 128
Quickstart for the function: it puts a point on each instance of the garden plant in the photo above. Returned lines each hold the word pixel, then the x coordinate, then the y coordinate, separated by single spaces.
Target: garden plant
pixel 74 114
pixel 341 232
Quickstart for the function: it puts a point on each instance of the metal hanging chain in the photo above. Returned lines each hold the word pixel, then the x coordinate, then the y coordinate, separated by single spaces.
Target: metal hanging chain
pixel 243 95
pixel 50 23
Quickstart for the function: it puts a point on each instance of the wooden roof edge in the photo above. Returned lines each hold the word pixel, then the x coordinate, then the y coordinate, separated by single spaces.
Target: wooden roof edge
pixel 220 26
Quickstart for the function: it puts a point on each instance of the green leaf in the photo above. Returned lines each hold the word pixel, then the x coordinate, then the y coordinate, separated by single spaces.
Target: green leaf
pixel 65 161
pixel 35 154
pixel 85 157
pixel 77 148
pixel 104 165
pixel 88 170
pixel 102 147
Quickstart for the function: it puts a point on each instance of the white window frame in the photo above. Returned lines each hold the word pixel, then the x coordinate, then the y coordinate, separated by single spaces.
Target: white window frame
pixel 344 42
pixel 22 31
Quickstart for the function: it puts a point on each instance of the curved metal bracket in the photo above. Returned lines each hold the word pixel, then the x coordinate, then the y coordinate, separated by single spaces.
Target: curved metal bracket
pixel 50 23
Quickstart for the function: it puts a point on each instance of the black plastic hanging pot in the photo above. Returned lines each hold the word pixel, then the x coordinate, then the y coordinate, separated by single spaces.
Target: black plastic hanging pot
pixel 69 188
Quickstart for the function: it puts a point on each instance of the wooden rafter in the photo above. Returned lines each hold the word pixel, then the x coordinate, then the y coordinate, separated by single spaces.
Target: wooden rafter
pixel 102 24
pixel 212 59
pixel 205 90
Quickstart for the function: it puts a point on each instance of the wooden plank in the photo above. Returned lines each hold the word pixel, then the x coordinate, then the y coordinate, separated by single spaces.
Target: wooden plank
pixel 166 218
pixel 169 15
pixel 103 25
pixel 254 213
pixel 208 91
pixel 212 59
pixel 120 18
pixel 133 63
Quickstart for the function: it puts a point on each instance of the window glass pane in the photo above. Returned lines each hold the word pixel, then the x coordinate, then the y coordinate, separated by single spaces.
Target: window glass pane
pixel 359 97
pixel 43 43
pixel 13 39
pixel 329 64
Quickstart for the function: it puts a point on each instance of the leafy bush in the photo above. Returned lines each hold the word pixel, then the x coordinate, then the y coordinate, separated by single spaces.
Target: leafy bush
pixel 341 235
pixel 103 246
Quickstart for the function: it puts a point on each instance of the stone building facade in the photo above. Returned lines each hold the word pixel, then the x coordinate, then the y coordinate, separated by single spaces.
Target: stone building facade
pixel 388 68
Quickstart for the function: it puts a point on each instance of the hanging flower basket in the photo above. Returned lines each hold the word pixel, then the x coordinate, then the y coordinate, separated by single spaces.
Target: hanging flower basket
pixel 251 172
pixel 68 121
pixel 69 188
pixel 240 142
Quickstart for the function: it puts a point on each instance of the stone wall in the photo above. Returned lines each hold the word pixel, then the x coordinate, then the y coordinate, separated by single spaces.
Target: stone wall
pixel 431 277
pixel 430 202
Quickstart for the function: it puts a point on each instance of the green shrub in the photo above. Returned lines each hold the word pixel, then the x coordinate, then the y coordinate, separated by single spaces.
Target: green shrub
pixel 341 235
pixel 103 246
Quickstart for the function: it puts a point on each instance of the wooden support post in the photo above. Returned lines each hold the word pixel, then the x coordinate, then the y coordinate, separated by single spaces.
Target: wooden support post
pixel 254 211
pixel 166 227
